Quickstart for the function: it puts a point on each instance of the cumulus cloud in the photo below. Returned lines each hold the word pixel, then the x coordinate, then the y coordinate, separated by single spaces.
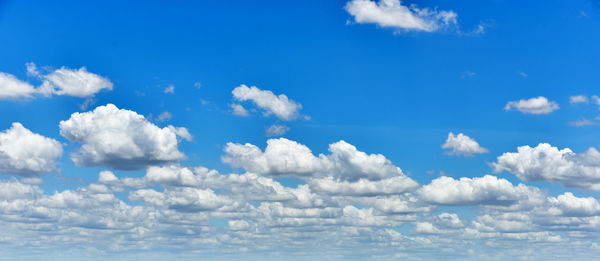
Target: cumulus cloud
pixel 462 145
pixel 392 13
pixel 277 130
pixel 74 82
pixel 121 139
pixel 538 105
pixel 547 163
pixel 63 81
pixel 486 190
pixel 13 88
pixel 25 153
pixel 278 105
pixel 283 157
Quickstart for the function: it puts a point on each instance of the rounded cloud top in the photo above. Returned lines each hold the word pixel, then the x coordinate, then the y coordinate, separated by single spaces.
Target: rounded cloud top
pixel 121 139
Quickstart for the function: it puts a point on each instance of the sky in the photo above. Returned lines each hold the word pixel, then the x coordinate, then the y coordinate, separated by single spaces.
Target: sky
pixel 300 130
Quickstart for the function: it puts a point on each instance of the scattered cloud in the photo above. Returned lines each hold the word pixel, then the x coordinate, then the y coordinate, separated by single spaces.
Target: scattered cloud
pixel 582 122
pixel 278 105
pixel 164 116
pixel 393 14
pixel 277 130
pixel 64 81
pixel 547 163
pixel 578 99
pixel 238 109
pixel 462 145
pixel 121 139
pixel 538 105
pixel 170 89
pixel 25 153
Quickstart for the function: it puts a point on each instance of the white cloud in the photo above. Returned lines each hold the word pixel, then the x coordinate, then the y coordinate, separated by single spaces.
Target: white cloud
pixel 170 89
pixel 578 99
pixel 547 163
pixel 486 190
pixel 279 105
pixel 569 205
pixel 391 13
pixel 582 122
pixel 78 83
pixel 121 139
pixel 364 187
pixel 462 145
pixel 25 153
pixel 277 130
pixel 164 116
pixel 283 157
pixel 13 88
pixel 63 81
pixel 239 110
pixel 538 105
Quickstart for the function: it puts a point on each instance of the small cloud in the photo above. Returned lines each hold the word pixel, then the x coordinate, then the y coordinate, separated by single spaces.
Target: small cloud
pixel 523 74
pixel 578 99
pixel 239 110
pixel 277 130
pixel 198 85
pixel 170 89
pixel 87 103
pixel 462 145
pixel 468 74
pixel 538 105
pixel 582 122
pixel 165 116
pixel 307 117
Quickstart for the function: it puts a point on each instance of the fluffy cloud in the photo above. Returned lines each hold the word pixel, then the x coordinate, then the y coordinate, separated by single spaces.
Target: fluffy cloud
pixel 239 110
pixel 547 163
pixel 283 157
pixel 538 105
pixel 279 105
pixel 63 81
pixel 462 145
pixel 487 190
pixel 78 83
pixel 121 139
pixel 391 13
pixel 13 88
pixel 364 187
pixel 25 153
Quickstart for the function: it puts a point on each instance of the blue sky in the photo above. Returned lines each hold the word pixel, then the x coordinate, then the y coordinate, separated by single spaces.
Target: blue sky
pixel 394 80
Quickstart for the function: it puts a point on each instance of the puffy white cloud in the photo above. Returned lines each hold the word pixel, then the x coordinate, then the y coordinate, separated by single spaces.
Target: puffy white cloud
pixel 25 153
pixel 121 139
pixel 13 88
pixel 462 145
pixel 569 205
pixel 537 105
pixel 392 13
pixel 277 130
pixel 578 99
pixel 279 105
pixel 486 190
pixel 78 83
pixel 170 89
pixel 548 163
pixel 282 157
pixel 63 81
pixel 239 110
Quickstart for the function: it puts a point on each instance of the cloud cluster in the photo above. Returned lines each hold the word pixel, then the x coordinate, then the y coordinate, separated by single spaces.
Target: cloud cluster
pixel 121 139
pixel 537 105
pixel 25 153
pixel 62 81
pixel 547 163
pixel 462 145
pixel 392 13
